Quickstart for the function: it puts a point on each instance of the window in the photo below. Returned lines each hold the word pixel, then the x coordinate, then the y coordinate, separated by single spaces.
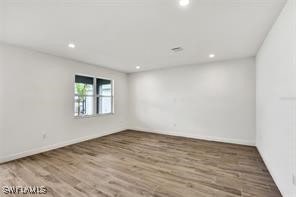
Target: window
pixel 93 96
pixel 84 96
pixel 104 96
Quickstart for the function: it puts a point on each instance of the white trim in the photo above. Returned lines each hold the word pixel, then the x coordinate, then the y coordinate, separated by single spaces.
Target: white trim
pixel 54 146
pixel 82 139
pixel 208 138
pixel 272 174
pixel 92 116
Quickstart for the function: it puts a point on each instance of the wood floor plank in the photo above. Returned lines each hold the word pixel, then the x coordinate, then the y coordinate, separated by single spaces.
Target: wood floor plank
pixel 132 164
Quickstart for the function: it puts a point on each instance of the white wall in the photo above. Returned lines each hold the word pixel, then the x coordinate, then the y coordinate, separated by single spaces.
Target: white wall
pixel 37 97
pixel 1 113
pixel 212 101
pixel 276 100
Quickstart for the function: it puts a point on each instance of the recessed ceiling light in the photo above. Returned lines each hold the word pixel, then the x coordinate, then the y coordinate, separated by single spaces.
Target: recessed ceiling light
pixel 184 3
pixel 71 45
pixel 138 67
pixel 211 55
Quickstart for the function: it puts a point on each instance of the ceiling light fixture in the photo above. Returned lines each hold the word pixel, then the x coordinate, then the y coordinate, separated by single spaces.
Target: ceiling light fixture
pixel 71 45
pixel 184 3
pixel 211 55
pixel 138 67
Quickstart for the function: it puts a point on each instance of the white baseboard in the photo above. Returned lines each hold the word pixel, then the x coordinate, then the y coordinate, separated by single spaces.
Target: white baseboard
pixel 208 138
pixel 269 169
pixel 78 140
pixel 54 146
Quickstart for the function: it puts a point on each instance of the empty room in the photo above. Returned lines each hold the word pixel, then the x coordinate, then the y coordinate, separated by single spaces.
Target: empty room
pixel 148 98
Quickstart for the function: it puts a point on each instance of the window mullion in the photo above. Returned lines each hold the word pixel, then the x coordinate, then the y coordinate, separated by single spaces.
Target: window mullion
pixel 94 96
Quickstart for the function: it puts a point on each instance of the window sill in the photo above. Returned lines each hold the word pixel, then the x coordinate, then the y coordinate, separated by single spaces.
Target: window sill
pixel 92 116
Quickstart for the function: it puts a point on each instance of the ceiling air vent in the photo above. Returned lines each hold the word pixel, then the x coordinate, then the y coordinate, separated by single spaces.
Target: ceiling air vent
pixel 177 49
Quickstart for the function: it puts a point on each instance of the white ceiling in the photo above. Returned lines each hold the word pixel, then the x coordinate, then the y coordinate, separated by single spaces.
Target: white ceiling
pixel 123 34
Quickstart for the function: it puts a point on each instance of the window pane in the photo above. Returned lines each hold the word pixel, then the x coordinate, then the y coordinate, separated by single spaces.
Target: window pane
pixel 104 105
pixel 104 87
pixel 84 80
pixel 84 105
pixel 84 89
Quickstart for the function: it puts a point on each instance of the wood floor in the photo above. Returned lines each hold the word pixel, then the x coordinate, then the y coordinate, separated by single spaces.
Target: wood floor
pixel 134 163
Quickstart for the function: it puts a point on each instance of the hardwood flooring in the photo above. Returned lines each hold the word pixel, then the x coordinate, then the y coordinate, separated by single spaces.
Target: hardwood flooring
pixel 131 163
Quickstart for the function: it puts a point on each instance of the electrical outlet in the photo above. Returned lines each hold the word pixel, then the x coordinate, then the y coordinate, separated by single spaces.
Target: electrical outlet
pixel 260 136
pixel 44 136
